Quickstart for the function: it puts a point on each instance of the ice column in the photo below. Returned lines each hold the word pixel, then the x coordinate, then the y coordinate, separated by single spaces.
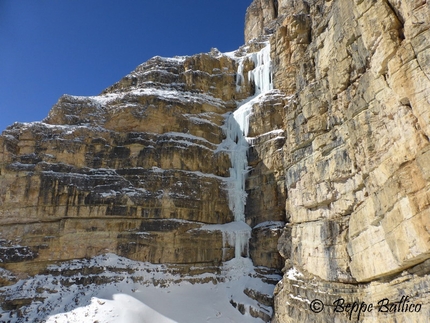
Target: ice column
pixel 237 130
pixel 239 77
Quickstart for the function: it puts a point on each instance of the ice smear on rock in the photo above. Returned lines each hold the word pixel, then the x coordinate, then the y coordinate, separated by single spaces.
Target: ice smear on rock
pixel 261 75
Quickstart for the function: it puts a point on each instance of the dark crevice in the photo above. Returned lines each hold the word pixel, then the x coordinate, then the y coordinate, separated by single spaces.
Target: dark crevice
pixel 400 19
pixel 275 8
pixel 397 13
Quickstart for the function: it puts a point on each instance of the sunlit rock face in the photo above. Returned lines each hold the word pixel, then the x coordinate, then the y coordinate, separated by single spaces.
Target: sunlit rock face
pixel 154 169
pixel 136 170
pixel 89 179
pixel 355 154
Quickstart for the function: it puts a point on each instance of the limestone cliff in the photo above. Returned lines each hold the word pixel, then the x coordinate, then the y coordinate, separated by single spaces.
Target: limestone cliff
pixel 356 153
pixel 338 150
pixel 144 170
pixel 147 155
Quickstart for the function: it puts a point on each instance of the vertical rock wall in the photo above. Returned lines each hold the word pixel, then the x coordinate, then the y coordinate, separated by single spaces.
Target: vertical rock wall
pixel 145 170
pixel 356 154
pixel 141 170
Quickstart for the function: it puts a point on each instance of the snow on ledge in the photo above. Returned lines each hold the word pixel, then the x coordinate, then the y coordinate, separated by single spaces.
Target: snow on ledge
pixel 270 225
pixel 294 274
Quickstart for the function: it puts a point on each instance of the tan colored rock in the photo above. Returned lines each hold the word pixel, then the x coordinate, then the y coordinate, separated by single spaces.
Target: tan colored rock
pixel 118 172
pixel 373 299
pixel 356 141
pixel 265 181
pixel 263 244
pixel 137 171
pixel 258 16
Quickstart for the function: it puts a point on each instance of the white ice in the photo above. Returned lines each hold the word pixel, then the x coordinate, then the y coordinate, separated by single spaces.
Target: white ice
pixel 237 128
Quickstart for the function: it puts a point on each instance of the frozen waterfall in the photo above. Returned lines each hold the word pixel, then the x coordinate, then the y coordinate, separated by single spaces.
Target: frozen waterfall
pixel 236 131
pixel 261 75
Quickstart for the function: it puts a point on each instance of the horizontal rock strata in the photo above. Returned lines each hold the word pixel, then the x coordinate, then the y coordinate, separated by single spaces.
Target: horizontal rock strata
pixel 141 170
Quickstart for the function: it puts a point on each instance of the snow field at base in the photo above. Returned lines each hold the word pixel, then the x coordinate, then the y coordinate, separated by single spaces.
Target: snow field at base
pixel 136 292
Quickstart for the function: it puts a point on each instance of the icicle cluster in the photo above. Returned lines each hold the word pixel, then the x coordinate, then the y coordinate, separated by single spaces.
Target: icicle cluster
pixel 239 76
pixel 237 130
pixel 261 75
pixel 239 239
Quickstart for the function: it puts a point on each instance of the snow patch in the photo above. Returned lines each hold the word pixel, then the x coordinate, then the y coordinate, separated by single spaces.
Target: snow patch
pixel 293 274
pixel 270 225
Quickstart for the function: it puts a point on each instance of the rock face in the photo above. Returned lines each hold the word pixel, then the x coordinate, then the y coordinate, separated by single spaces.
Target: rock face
pixel 338 150
pixel 142 170
pixel 136 170
pixel 87 172
pixel 355 157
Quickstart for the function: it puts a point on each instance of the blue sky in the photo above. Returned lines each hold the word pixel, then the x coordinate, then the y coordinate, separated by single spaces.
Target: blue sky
pixel 80 47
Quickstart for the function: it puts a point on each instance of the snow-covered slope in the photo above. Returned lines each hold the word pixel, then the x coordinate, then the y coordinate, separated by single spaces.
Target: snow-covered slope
pixel 109 288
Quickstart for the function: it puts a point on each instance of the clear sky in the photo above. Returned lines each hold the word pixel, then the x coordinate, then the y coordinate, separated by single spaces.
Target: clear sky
pixel 80 47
